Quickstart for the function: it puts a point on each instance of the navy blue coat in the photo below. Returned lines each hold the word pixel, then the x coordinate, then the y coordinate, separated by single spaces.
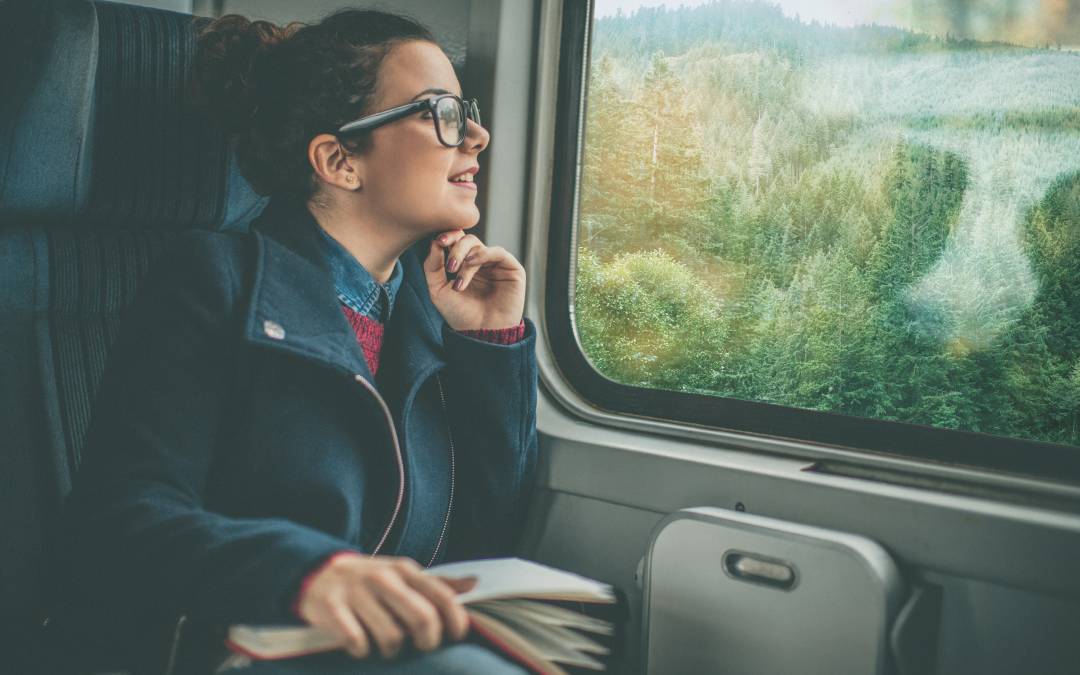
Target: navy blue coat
pixel 239 438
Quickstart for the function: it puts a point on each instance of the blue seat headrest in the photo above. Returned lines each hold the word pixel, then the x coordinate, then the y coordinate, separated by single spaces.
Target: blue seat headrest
pixel 49 62
pixel 97 131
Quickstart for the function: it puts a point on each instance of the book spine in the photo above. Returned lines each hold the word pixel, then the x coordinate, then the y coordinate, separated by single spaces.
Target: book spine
pixel 242 651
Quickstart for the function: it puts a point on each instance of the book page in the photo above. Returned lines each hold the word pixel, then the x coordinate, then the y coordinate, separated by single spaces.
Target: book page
pixel 513 644
pixel 558 616
pixel 517 578
pixel 542 634
pixel 541 637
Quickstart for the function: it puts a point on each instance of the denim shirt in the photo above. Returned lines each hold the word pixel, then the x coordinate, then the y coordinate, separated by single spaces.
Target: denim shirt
pixel 355 286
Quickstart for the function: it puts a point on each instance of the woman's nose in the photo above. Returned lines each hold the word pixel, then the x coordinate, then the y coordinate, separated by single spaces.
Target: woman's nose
pixel 476 138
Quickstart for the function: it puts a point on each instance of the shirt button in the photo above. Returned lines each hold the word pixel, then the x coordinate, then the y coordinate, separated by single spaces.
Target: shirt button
pixel 273 330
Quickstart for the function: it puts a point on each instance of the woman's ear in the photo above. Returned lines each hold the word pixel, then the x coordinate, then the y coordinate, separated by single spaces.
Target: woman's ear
pixel 332 164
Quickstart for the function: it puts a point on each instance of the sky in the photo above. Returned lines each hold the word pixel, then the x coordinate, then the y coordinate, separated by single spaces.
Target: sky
pixel 1027 22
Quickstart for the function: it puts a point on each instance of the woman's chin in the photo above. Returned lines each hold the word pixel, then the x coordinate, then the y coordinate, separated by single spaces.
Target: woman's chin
pixel 452 225
pixel 468 217
pixel 451 217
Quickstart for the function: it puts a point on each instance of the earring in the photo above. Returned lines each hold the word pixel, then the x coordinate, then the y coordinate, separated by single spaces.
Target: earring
pixel 350 179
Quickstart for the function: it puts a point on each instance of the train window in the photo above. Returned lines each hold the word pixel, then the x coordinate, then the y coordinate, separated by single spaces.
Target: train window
pixel 790 220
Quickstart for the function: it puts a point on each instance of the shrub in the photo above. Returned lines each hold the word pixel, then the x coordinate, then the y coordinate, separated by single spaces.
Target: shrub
pixel 646 319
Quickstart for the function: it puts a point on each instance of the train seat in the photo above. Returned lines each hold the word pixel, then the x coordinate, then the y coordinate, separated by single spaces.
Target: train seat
pixel 102 162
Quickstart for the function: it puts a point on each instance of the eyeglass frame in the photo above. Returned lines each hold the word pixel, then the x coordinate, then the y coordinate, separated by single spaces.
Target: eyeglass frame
pixel 376 120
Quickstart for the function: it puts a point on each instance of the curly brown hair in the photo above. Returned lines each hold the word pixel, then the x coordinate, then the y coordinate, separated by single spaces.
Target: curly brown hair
pixel 273 89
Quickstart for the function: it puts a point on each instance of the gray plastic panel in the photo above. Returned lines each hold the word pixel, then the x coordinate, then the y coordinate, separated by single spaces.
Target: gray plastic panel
pixel 806 600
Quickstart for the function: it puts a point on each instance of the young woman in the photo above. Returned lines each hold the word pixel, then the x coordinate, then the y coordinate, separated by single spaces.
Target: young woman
pixel 294 423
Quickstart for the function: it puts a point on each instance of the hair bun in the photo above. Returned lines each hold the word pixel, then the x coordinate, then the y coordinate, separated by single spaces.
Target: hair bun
pixel 274 89
pixel 222 81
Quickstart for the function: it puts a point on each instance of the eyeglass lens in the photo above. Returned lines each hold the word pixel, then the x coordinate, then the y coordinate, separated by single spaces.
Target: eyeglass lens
pixel 451 118
pixel 452 115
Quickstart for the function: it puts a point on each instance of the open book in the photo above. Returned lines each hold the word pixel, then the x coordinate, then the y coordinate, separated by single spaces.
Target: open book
pixel 503 608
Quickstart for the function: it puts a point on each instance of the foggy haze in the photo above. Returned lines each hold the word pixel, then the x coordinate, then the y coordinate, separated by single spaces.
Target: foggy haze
pixel 1024 22
pixel 1033 23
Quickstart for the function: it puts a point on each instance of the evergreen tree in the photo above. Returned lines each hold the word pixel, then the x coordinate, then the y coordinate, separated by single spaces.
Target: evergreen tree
pixel 760 164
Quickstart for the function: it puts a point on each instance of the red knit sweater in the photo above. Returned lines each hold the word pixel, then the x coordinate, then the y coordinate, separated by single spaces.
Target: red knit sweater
pixel 369 332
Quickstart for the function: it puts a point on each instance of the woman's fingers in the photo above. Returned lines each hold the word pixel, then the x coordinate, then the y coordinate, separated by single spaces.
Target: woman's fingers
pixel 379 621
pixel 463 585
pixel 491 259
pixel 345 626
pixel 445 255
pixel 433 266
pixel 497 295
pixel 444 241
pixel 336 616
pixel 444 597
pixel 449 238
pixel 370 602
pixel 414 611
pixel 460 250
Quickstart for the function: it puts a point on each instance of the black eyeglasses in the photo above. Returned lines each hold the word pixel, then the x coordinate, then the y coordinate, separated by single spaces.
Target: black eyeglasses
pixel 448 112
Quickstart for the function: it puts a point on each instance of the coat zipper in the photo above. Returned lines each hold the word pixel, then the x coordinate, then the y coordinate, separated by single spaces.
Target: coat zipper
pixel 450 505
pixel 170 667
pixel 401 465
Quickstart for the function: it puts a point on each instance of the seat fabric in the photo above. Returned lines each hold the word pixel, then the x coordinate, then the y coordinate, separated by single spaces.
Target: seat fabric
pixel 96 129
pixel 49 56
pixel 102 162
pixel 157 163
pixel 92 278
pixel 60 315
pixel 28 494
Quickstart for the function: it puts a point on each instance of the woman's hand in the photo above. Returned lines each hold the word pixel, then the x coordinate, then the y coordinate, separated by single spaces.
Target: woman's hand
pixel 382 599
pixel 489 291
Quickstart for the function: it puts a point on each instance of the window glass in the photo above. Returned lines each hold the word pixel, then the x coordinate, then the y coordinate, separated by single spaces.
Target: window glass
pixel 838 206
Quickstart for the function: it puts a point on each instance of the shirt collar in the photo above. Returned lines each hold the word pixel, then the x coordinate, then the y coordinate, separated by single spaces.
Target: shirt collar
pixel 355 286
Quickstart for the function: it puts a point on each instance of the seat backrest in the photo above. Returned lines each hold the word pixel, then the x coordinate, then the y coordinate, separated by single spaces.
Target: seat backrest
pixel 96 129
pixel 102 162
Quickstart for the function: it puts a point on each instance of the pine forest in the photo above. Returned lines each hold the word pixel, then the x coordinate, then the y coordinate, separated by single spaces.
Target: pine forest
pixel 867 220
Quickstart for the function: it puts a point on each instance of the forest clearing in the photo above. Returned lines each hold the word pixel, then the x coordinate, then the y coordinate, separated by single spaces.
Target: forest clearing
pixel 860 220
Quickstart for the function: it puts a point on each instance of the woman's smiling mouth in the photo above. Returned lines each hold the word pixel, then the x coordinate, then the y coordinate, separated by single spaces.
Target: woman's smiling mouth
pixel 465 178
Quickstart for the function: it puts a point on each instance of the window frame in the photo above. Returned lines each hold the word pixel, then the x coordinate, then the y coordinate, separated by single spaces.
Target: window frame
pixel 750 421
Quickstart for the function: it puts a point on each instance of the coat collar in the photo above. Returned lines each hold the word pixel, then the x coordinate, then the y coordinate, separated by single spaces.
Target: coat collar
pixel 294 305
pixel 412 341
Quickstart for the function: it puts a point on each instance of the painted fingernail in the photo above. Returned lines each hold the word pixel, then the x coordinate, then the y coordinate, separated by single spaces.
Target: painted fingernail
pixel 470 258
pixel 442 239
pixel 451 264
pixel 458 283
